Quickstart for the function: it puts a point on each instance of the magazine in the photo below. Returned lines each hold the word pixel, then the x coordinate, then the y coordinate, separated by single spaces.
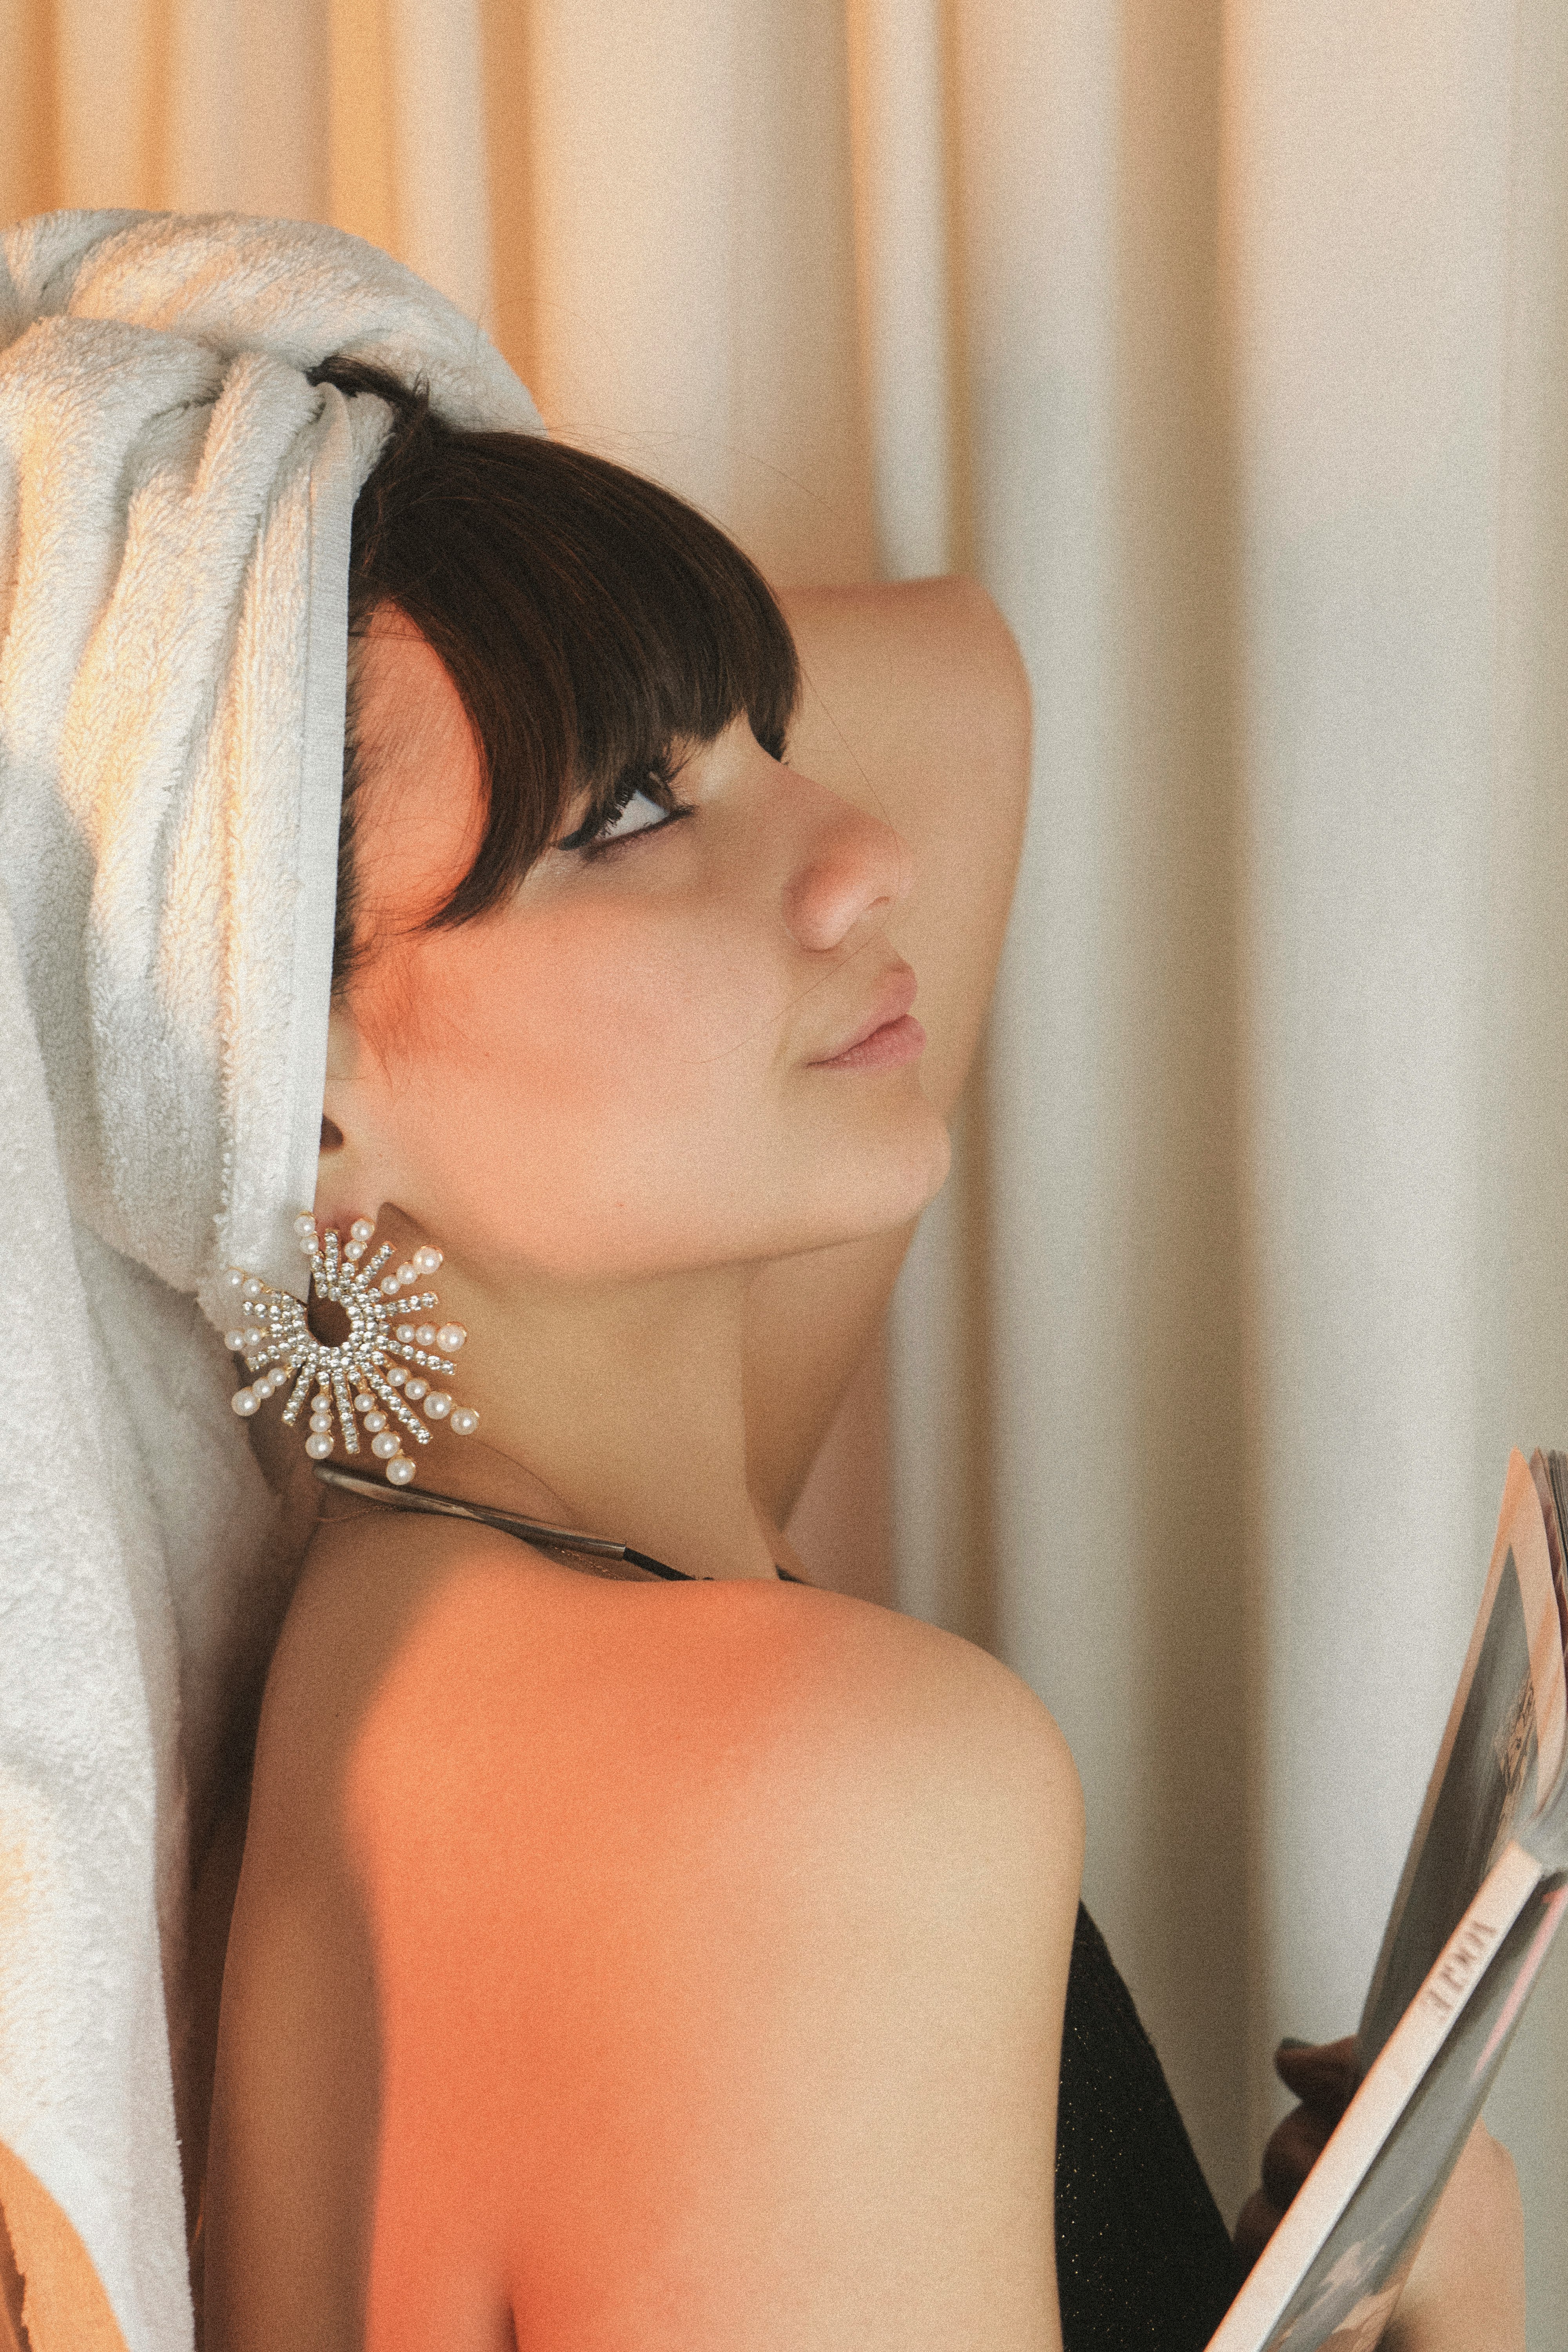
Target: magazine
pixel 1483 1893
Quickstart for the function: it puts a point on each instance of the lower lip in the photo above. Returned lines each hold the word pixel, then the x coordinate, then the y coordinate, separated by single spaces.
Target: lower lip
pixel 884 1049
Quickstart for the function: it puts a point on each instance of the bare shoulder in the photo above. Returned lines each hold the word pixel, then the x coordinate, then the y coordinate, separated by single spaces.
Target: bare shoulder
pixel 449 1712
pixel 557 1888
pixel 419 1637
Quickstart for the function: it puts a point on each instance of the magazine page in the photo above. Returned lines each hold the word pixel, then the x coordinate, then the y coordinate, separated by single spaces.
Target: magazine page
pixel 1500 1761
pixel 1331 2274
pixel 1550 1472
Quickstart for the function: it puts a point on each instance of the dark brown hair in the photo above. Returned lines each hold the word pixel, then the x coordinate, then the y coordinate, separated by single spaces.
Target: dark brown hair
pixel 593 625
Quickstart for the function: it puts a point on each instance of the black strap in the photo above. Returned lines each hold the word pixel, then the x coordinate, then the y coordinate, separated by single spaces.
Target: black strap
pixel 446 1506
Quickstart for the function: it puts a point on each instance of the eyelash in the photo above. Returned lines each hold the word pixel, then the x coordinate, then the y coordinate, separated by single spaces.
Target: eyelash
pixel 655 783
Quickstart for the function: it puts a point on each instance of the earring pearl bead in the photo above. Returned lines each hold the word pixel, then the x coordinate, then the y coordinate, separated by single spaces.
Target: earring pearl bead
pixel 352 1377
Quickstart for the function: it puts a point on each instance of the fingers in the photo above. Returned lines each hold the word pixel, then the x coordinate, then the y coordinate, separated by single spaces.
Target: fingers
pixel 1293 2148
pixel 1324 2075
pixel 1255 2225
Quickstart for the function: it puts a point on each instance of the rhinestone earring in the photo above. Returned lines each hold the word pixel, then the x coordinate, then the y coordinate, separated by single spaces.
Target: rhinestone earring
pixel 380 1372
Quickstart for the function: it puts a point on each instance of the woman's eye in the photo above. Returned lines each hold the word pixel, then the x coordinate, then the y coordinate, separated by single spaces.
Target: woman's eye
pixel 632 811
pixel 635 816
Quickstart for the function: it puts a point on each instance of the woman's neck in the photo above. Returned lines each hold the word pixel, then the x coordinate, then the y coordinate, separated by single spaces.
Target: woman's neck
pixel 617 1410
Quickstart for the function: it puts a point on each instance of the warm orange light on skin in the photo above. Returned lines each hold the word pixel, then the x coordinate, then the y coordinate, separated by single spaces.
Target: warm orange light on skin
pixel 598 1100
pixel 583 2118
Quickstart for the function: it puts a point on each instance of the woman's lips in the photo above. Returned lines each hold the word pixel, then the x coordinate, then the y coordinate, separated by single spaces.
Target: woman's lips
pixel 896 1041
pixel 888 1034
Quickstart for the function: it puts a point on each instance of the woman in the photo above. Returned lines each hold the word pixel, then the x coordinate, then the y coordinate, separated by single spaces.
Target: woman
pixel 622 1099
pixel 621 1962
pixel 666 1955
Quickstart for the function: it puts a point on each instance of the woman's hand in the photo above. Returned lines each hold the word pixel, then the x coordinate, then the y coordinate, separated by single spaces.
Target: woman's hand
pixel 1466 2289
pixel 1324 2075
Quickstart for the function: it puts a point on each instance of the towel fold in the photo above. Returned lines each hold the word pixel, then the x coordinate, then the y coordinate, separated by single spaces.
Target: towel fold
pixel 175 504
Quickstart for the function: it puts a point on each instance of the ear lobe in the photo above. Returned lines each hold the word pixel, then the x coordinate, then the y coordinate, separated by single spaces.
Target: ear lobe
pixel 343 1060
pixel 352 1178
pixel 355 1171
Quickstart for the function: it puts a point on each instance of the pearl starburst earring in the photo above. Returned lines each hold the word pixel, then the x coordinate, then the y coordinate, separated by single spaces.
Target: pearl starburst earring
pixel 380 1372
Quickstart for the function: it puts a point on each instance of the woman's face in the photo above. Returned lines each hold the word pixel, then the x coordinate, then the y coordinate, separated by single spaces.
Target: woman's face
pixel 626 1068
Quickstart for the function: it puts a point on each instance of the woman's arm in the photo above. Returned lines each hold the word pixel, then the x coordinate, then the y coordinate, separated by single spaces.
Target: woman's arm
pixel 915 702
pixel 1466 2292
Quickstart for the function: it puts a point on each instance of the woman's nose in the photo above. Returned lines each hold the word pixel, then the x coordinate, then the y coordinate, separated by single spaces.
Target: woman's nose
pixel 853 871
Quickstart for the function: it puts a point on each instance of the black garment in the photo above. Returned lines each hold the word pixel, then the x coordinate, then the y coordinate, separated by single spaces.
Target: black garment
pixel 1142 2256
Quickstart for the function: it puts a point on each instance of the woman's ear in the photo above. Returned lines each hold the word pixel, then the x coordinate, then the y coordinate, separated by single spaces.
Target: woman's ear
pixel 351 1181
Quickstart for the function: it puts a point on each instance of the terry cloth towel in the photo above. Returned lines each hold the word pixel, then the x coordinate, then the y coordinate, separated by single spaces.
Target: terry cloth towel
pixel 175 501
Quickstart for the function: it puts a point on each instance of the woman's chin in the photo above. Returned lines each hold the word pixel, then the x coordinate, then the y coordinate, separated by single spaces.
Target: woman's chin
pixel 887 1186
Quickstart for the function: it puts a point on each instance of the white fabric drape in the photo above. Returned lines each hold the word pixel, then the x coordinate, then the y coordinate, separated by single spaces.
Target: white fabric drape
pixel 1225 339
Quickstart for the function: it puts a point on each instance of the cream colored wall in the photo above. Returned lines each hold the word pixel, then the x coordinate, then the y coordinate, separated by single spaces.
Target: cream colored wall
pixel 1224 340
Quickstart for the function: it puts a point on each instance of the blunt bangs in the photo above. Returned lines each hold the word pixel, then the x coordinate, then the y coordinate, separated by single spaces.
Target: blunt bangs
pixel 592 623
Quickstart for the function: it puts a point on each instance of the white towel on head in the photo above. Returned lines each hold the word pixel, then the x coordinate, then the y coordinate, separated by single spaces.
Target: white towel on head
pixel 175 501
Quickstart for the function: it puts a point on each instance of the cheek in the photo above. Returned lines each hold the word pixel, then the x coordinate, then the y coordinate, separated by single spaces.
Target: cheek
pixel 573 1077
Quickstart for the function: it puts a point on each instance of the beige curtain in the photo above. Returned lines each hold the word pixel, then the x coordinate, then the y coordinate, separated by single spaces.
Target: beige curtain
pixel 1225 341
